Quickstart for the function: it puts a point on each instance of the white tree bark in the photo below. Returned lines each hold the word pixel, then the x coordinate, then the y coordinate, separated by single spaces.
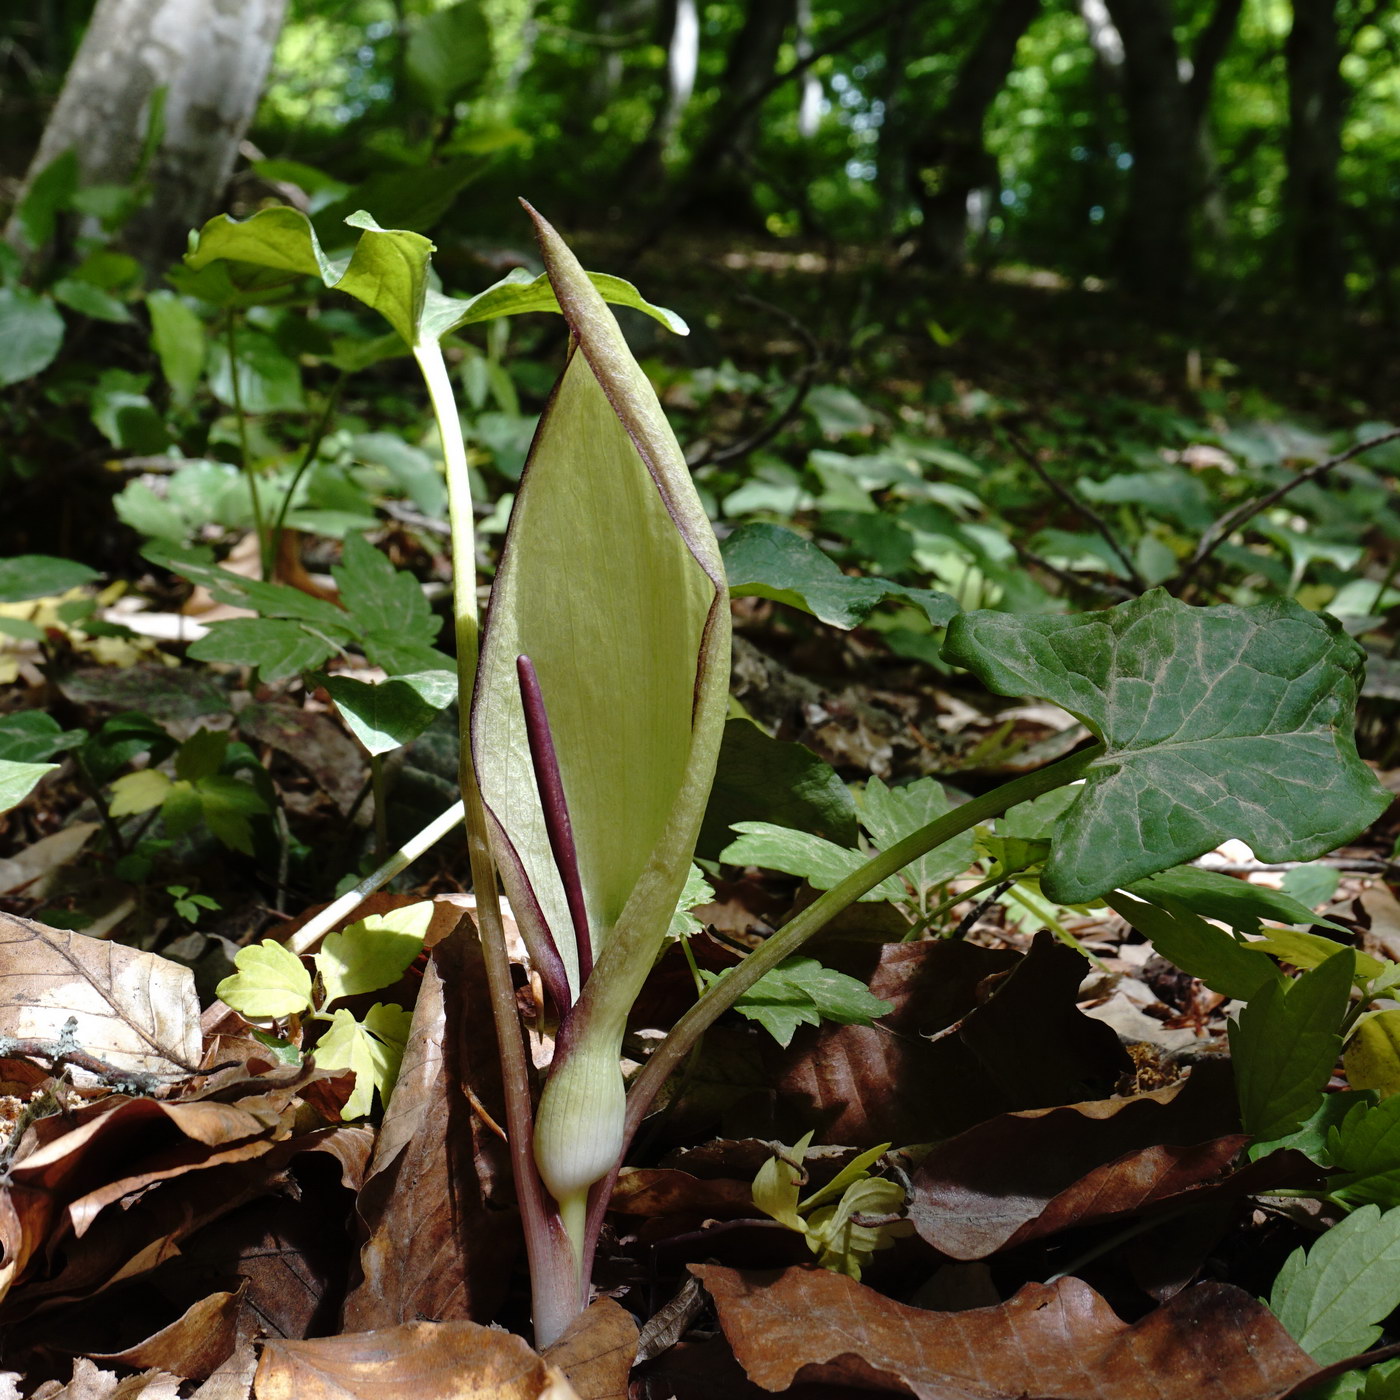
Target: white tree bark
pixel 211 57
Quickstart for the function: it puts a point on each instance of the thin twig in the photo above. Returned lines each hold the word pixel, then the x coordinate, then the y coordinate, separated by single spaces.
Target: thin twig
pixel 1027 455
pixel 1073 580
pixel 1247 510
pixel 803 381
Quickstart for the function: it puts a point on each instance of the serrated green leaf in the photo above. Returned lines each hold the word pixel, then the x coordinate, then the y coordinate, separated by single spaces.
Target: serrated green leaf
pixel 28 576
pixel 768 561
pixel 801 992
pixel 1284 1044
pixel 374 952
pixel 759 778
pixel 382 598
pixel 1234 969
pixel 30 736
pixel 823 864
pixel 385 715
pixel 697 891
pixel 226 804
pixel 843 1244
pixel 18 780
pixel 890 814
pixel 1365 1145
pixel 202 754
pixel 1333 1299
pixel 276 647
pixel 138 792
pixel 270 982
pixel 1308 950
pixel 1216 722
pixel 1311 1138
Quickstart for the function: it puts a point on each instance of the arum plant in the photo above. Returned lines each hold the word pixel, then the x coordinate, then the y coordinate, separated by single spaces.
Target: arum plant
pixel 598 697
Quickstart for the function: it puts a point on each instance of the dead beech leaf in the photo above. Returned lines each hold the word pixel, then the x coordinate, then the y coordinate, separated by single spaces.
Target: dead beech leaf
pixel 597 1350
pixel 415 1360
pixel 135 1010
pixel 90 1382
pixel 1021 1176
pixel 974 1032
pixel 1060 1340
pixel 193 1347
pixel 443 1227
pixel 653 1191
pixel 234 1379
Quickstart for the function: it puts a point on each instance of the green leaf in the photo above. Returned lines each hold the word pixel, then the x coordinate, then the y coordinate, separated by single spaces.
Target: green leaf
pixel 177 336
pixel 31 332
pixel 1215 896
pixel 374 952
pixel 276 647
pixel 759 778
pixel 821 863
pixel 778 1185
pixel 1373 1053
pixel 28 576
pixel 382 598
pixel 88 300
pixel 18 780
pixel 697 891
pixel 1333 1298
pixel 226 804
pixel 202 754
pixel 388 272
pixel 1234 969
pixel 1311 950
pixel 269 380
pixel 517 292
pixel 1312 885
pixel 890 814
pixel 768 561
pixel 449 53
pixel 385 715
pixel 1216 722
pixel 800 991
pixel 271 982
pixel 1285 1043
pixel 268 599
pixel 30 736
pixel 373 1049
pixel 1311 1138
pixel 1366 1146
pixel 138 792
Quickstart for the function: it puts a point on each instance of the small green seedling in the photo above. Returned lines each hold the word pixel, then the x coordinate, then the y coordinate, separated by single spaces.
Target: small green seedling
pixel 848 1220
pixel 273 984
pixel 188 906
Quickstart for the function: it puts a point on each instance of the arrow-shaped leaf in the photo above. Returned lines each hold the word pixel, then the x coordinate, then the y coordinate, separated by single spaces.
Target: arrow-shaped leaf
pixel 1216 722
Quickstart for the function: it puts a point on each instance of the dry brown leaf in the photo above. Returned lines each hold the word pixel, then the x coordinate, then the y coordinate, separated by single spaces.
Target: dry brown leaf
pixel 234 1379
pixel 32 868
pixel 597 1350
pixel 438 1201
pixel 90 1382
pixel 313 740
pixel 1021 1176
pixel 193 1347
pixel 1061 1341
pixel 655 1191
pixel 135 1010
pixel 413 1361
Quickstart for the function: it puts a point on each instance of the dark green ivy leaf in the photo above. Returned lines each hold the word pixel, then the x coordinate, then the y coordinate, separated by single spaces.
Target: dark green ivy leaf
pixel 1216 722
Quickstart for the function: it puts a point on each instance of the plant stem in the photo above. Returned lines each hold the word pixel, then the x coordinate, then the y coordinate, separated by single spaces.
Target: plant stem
pixel 557 1292
pixel 719 997
pixel 313 445
pixel 259 524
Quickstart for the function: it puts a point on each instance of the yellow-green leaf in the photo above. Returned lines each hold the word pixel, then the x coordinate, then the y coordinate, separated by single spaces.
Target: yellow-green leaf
pixel 1372 1055
pixel 270 982
pixel 373 952
pixel 372 1049
pixel 138 792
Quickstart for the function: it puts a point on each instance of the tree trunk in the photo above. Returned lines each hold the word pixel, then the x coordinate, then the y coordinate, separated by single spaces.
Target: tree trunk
pixel 1165 182
pixel 949 158
pixel 211 57
pixel 1316 110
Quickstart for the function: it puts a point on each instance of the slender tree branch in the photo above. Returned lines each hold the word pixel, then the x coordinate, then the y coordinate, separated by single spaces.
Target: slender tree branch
pixel 1247 510
pixel 1027 455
